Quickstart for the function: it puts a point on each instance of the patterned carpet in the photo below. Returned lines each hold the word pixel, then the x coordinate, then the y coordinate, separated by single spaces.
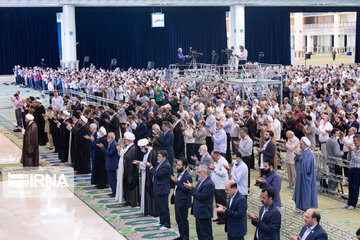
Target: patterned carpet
pixel 129 222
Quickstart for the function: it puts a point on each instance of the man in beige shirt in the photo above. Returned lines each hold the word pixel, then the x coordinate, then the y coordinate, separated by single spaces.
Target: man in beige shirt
pixel 292 145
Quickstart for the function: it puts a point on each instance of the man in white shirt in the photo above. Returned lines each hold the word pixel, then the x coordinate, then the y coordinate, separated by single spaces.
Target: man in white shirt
pixel 57 101
pixel 242 55
pixel 210 125
pixel 323 128
pixel 219 176
pixel 239 173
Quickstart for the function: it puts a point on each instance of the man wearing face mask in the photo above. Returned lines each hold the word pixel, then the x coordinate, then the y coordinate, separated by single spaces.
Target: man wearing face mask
pixel 239 173
pixel 333 151
pixel 147 203
pixel 271 179
pixel 141 129
pixel 111 160
pixel 182 198
pixel 352 122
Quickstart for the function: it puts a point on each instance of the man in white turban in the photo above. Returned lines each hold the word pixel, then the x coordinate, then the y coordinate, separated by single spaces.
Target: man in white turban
pixel 305 194
pixel 147 206
pixel 127 187
pixel 30 151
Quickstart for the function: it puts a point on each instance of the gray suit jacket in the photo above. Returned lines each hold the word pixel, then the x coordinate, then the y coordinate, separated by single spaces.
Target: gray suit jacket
pixel 333 148
pixel 204 160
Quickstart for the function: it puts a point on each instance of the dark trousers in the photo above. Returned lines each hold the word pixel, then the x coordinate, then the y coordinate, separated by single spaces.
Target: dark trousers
pixel 228 152
pixel 354 184
pixel 112 180
pixel 162 203
pixel 181 216
pixel 247 161
pixel 196 150
pixel 220 198
pixel 235 238
pixel 190 152
pixel 19 119
pixel 204 229
pixel 346 169
pixel 209 144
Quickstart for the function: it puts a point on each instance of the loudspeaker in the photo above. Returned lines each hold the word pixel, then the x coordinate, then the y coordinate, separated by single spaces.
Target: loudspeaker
pixel 86 59
pixel 150 65
pixel 113 62
pixel 307 56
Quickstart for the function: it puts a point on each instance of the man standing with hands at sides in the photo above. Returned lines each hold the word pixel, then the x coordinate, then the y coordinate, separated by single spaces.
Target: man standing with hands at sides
pixel 242 56
pixel 312 229
pixel 235 211
pixel 267 152
pixel 203 202
pixel 268 222
pixel 161 184
pixel 219 176
pixel 305 194
pixel 111 160
pixel 182 198
pixel 30 151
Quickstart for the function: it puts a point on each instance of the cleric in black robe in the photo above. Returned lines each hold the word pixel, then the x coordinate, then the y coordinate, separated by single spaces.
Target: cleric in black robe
pixel 75 126
pixel 64 136
pixel 40 122
pixel 99 172
pixel 179 143
pixel 82 163
pixel 147 203
pixel 131 173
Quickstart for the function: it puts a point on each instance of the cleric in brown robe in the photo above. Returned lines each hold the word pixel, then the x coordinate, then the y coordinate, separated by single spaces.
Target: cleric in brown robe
pixel 30 150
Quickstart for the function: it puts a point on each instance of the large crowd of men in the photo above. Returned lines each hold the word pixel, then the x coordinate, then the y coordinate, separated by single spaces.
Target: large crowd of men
pixel 154 129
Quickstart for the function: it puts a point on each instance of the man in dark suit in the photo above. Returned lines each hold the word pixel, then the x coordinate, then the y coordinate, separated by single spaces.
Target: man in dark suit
pixel 101 119
pixel 203 202
pixel 268 222
pixel 111 160
pixel 250 124
pixel 141 130
pixel 352 122
pixel 267 151
pixel 182 198
pixel 166 141
pixel 114 122
pixel 161 183
pixel 235 211
pixel 312 229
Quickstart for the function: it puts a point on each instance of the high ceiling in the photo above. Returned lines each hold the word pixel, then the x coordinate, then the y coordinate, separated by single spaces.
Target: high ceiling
pixel 164 3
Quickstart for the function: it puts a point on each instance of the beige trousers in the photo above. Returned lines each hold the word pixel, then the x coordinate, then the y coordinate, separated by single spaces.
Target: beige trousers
pixel 291 172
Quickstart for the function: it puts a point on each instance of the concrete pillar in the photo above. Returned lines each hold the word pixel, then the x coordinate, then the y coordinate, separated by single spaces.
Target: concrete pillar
pixel 310 43
pixel 337 38
pixel 299 35
pixel 237 26
pixel 68 31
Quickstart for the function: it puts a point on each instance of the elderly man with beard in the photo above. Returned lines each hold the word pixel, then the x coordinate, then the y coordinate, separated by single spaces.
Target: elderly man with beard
pixel 147 204
pixel 30 151
pixel 305 194
pixel 128 174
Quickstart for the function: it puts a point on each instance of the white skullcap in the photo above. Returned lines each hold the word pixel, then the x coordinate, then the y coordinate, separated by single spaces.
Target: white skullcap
pixel 143 142
pixel 83 103
pixel 84 119
pixel 271 120
pixel 306 141
pixel 93 126
pixel 129 136
pixel 29 117
pixel 66 113
pixel 39 101
pixel 103 130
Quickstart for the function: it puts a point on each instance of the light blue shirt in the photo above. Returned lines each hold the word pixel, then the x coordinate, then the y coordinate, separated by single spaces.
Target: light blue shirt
pixel 220 141
pixel 307 232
